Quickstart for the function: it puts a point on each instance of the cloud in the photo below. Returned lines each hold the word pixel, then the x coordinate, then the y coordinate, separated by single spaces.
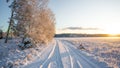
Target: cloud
pixel 79 28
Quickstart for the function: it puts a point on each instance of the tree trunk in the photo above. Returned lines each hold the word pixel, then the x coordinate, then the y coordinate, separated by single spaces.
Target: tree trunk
pixel 9 27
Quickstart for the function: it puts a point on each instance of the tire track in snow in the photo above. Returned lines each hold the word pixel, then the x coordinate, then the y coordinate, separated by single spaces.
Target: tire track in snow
pixel 42 57
pixel 79 64
pixel 85 62
pixel 69 57
pixel 52 51
pixel 75 61
pixel 62 55
pixel 54 59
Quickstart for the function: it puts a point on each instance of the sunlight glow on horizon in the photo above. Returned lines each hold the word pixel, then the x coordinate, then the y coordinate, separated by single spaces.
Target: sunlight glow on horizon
pixel 112 29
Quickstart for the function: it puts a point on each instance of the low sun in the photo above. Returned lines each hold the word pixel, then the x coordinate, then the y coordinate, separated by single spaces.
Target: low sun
pixel 112 30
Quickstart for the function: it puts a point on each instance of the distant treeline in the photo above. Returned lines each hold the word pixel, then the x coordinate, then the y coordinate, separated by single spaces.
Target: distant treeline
pixel 86 35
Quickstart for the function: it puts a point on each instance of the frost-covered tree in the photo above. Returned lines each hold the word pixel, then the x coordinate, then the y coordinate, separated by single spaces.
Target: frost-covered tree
pixel 35 20
pixel 44 21
pixel 23 17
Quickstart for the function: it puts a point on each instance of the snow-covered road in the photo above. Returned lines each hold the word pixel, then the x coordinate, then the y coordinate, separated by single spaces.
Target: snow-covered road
pixel 63 55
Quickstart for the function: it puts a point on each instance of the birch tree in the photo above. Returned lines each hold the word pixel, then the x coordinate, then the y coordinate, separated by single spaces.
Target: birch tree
pixel 12 6
pixel 35 20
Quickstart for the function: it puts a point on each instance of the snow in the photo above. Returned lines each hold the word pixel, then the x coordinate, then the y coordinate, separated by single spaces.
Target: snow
pixel 11 52
pixel 27 40
pixel 103 49
pixel 60 53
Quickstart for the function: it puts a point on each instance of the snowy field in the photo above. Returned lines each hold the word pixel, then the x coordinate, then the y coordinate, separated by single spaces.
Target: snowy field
pixel 63 53
pixel 103 49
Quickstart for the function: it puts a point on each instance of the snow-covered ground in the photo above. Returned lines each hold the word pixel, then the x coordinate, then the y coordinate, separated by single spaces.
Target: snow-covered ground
pixel 103 49
pixel 62 53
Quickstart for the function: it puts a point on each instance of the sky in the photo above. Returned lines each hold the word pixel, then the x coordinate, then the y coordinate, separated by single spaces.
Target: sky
pixel 4 14
pixel 104 15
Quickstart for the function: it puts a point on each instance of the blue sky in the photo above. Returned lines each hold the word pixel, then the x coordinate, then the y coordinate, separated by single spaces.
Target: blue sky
pixel 102 14
pixel 85 12
pixel 4 14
